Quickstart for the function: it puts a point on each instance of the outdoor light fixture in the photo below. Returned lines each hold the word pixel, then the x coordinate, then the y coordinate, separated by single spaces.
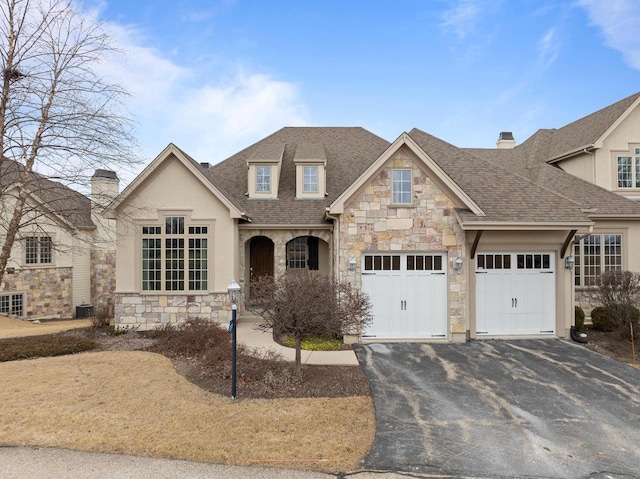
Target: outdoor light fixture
pixel 11 270
pixel 569 261
pixel 352 264
pixel 457 263
pixel 234 295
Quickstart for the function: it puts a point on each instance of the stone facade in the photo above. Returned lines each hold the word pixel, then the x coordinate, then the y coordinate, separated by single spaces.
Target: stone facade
pixel 48 291
pixel 370 223
pixel 280 238
pixel 150 311
pixel 103 277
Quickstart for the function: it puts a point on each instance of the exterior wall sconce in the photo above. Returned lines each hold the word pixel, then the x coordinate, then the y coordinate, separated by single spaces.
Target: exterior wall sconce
pixel 11 270
pixel 352 264
pixel 457 264
pixel 569 261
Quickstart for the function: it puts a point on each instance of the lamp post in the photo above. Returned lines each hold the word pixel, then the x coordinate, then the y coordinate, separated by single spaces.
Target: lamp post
pixel 234 294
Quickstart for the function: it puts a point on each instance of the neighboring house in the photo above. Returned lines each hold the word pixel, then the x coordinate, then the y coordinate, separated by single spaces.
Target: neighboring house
pixel 450 243
pixel 64 253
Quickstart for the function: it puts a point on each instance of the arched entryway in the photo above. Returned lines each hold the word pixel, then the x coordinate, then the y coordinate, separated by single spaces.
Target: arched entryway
pixel 308 252
pixel 260 258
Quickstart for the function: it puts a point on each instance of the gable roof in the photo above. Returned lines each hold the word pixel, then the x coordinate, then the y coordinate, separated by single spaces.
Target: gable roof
pixel 504 197
pixel 348 151
pixel 70 206
pixel 550 145
pixel 196 168
pixel 458 195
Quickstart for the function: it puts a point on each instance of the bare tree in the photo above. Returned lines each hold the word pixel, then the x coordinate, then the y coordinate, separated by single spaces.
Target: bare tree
pixel 59 118
pixel 619 293
pixel 301 304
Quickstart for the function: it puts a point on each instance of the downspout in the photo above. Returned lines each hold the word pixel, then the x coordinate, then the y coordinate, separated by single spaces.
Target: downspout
pixel 336 235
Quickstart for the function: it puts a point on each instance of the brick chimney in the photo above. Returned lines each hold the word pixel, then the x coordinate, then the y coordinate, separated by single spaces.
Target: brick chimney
pixel 506 141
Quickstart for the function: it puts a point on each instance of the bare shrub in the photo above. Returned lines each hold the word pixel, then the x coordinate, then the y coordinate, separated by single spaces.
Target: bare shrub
pixel 102 316
pixel 619 293
pixel 305 303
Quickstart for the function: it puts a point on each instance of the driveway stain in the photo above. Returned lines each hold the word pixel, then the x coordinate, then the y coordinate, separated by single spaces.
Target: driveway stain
pixel 528 408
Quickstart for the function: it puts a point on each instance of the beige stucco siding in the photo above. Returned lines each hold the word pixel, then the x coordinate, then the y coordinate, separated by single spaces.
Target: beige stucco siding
pixel 582 166
pixel 173 190
pixel 615 144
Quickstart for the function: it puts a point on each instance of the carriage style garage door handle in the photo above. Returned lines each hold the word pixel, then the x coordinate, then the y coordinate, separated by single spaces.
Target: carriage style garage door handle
pixel 403 305
pixel 514 302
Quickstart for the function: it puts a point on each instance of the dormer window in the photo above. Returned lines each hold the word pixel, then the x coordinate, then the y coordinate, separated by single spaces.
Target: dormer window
pixel 310 179
pixel 311 162
pixel 263 169
pixel 263 179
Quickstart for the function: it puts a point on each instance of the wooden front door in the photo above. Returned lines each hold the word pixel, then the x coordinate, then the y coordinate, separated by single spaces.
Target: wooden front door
pixel 260 258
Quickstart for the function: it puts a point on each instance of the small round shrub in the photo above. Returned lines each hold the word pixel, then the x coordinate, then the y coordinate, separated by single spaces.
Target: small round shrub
pixel 632 315
pixel 602 320
pixel 579 317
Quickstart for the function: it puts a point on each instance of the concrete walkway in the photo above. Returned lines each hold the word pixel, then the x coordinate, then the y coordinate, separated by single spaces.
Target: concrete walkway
pixel 248 335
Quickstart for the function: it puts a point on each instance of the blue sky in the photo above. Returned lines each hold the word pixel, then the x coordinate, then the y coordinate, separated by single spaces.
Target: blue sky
pixel 214 76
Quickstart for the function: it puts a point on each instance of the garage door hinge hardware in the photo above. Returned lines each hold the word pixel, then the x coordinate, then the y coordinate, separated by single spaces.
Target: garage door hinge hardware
pixel 439 273
pixel 368 274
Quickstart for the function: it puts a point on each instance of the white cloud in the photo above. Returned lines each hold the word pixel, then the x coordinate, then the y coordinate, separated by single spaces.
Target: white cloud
pixel 548 48
pixel 464 16
pixel 210 114
pixel 618 20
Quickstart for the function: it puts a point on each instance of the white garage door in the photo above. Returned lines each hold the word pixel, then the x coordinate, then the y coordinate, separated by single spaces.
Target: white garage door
pixel 515 293
pixel 408 294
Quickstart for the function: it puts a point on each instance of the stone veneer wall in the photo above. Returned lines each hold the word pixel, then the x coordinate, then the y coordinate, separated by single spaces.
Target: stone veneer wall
pixel 280 239
pixel 150 311
pixel 103 277
pixel 371 224
pixel 48 291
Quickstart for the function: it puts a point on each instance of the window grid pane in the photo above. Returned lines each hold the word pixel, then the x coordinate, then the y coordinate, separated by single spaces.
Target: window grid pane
pixel 151 264
pixel 624 172
pixel 45 249
pixel 612 252
pixel 297 253
pixel 310 179
pixel 401 186
pixel 32 250
pixel 12 304
pixel 263 179
pixel 197 264
pixel 637 171
pixel 577 263
pixel 174 264
pixel 592 260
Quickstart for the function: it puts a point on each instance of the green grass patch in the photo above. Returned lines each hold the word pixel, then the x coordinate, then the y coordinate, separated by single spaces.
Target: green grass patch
pixel 43 346
pixel 315 343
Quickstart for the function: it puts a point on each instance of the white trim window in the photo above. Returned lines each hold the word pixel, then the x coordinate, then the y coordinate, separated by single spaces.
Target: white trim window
pixel 12 304
pixel 263 179
pixel 310 179
pixel 297 253
pixel 401 187
pixel 628 168
pixel 594 255
pixel 38 250
pixel 163 256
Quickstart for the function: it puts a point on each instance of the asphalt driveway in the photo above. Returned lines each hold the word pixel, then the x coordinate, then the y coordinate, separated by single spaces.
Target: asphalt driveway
pixel 529 408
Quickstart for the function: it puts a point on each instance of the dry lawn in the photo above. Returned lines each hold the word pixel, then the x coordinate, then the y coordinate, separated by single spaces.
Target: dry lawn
pixel 17 328
pixel 135 403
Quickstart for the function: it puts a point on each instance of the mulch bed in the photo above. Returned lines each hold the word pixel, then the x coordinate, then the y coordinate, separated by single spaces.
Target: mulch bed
pixel 612 344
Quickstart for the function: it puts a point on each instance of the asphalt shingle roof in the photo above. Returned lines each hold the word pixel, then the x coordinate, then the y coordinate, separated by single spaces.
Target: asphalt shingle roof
pixel 349 151
pixel 502 195
pixel 74 207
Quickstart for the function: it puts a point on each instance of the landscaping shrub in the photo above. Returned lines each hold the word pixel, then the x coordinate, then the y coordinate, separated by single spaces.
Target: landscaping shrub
pixel 602 320
pixel 102 316
pixel 43 346
pixel 579 318
pixel 629 315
